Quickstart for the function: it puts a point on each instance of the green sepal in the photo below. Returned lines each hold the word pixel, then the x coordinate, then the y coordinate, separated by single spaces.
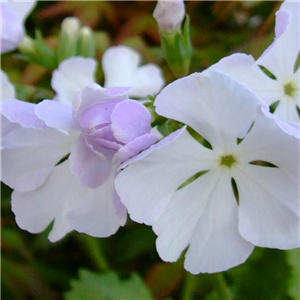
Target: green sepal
pixel 177 49
pixel 39 52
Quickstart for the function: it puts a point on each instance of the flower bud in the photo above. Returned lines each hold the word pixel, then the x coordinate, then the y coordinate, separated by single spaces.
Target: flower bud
pixel 169 14
pixel 86 42
pixel 67 45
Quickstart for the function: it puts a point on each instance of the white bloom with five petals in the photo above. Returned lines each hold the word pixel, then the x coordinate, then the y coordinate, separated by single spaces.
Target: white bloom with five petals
pixel 219 227
pixel 280 59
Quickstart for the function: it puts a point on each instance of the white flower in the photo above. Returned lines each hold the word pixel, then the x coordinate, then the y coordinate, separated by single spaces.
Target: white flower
pixel 13 15
pixel 219 227
pixel 169 14
pixel 7 89
pixel 279 59
pixel 121 67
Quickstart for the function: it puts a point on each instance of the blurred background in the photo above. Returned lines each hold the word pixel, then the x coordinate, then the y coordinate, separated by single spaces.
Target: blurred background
pixel 126 265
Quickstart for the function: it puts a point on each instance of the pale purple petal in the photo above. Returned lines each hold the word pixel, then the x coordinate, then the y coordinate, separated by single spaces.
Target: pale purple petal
pixel 95 94
pixel 12 31
pixel 209 103
pixel 130 120
pixel 99 213
pixel 134 147
pixel 23 113
pixel 56 115
pixel 72 75
pixel 29 156
pixel 164 170
pixel 7 89
pixel 195 216
pixel 269 207
pixel 92 170
pixel 98 114
pixel 52 201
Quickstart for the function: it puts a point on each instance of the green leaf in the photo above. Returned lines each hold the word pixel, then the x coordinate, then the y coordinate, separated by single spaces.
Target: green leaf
pixel 95 286
pixel 294 261
pixel 264 276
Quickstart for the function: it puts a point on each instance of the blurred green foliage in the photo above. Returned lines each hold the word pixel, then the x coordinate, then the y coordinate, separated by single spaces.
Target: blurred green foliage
pixel 126 265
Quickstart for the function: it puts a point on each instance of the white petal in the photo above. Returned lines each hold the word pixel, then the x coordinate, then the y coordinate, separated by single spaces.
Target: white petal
pixel 119 65
pixel 243 68
pixel 266 141
pixel 146 186
pixel 7 89
pixel 147 80
pixel 287 110
pixel 21 8
pixel 72 75
pixel 269 207
pixel 99 213
pixel 204 215
pixel 36 209
pixel 212 103
pixel 121 68
pixel 29 156
pixel 280 58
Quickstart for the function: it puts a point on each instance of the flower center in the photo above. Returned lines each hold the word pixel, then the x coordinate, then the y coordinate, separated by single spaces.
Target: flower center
pixel 227 161
pixel 290 89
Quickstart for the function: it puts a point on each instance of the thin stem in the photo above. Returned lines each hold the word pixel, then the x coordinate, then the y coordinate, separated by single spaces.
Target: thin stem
pixel 94 249
pixel 221 287
pixel 190 286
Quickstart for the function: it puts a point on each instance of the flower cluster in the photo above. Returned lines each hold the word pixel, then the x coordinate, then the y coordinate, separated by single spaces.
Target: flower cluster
pixel 227 180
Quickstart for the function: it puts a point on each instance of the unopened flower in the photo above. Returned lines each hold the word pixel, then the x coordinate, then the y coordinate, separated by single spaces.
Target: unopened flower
pixel 62 159
pixel 169 14
pixel 221 200
pixel 275 75
pixel 13 15
pixel 7 89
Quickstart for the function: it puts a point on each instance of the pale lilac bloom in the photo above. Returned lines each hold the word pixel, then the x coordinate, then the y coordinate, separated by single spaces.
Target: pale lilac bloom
pixel 102 129
pixel 204 215
pixel 169 14
pixel 280 59
pixel 7 89
pixel 13 15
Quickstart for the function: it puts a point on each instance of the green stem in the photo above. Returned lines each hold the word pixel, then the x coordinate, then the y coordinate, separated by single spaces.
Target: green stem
pixel 190 286
pixel 221 287
pixel 94 250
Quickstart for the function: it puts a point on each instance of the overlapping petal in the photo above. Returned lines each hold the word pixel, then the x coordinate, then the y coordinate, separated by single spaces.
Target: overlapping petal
pixel 121 68
pixel 164 170
pixel 99 212
pixel 196 100
pixel 91 169
pixel 72 75
pixel 130 119
pixel 53 200
pixel 7 89
pixel 243 68
pixel 29 156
